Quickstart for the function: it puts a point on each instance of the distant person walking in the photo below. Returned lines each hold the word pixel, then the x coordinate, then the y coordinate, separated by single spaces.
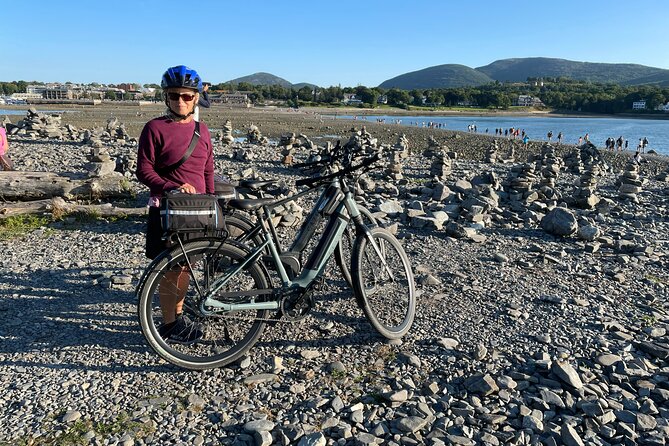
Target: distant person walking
pixel 619 143
pixel 526 139
pixel 550 136
pixel 645 143
pixel 559 138
pixel 580 140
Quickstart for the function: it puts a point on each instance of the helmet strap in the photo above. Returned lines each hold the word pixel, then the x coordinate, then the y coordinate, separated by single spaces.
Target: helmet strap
pixel 180 116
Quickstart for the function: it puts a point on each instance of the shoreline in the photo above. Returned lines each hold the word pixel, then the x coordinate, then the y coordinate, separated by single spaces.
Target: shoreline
pixel 477 113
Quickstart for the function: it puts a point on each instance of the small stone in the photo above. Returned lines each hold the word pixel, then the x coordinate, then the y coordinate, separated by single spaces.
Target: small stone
pixel 258 425
pixel 71 416
pixel 566 373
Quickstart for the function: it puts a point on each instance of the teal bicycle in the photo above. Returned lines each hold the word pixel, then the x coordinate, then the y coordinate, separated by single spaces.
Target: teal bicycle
pixel 231 293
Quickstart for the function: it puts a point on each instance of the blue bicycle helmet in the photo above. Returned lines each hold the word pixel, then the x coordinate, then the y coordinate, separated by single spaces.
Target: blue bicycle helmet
pixel 181 77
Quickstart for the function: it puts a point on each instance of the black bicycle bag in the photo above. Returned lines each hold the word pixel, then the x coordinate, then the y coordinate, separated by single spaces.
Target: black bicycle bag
pixel 191 213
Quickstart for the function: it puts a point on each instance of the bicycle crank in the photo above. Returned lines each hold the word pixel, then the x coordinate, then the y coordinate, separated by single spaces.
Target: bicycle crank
pixel 296 304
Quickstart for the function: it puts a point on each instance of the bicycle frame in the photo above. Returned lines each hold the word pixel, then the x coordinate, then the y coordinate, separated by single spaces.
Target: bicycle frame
pixel 339 219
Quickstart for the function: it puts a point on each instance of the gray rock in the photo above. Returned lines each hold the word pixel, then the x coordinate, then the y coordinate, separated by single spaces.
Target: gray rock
pixel 566 373
pixel 560 222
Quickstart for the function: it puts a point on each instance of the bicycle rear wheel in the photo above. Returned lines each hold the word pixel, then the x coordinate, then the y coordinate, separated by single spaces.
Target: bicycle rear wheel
pixel 226 336
pixel 344 250
pixel 239 228
pixel 384 283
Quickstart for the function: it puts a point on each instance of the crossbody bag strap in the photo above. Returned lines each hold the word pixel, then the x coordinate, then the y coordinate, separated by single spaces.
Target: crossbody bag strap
pixel 191 148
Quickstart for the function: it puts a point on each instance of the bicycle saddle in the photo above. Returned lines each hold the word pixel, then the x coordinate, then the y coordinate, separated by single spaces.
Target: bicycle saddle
pixel 250 205
pixel 256 184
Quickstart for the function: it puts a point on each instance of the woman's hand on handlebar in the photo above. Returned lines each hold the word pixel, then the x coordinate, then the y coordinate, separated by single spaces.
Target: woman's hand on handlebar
pixel 187 188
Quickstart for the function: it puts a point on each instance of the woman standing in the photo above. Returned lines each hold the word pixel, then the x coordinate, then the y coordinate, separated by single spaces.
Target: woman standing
pixel 162 147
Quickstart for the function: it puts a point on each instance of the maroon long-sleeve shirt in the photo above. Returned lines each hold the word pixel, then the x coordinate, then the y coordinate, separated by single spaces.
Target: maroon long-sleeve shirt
pixel 162 143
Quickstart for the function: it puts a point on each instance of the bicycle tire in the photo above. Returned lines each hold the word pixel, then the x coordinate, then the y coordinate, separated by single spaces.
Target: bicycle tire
pixel 238 227
pixel 389 303
pixel 227 337
pixel 344 250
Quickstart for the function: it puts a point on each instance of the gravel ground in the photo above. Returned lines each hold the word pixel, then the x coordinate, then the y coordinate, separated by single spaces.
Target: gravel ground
pixel 521 337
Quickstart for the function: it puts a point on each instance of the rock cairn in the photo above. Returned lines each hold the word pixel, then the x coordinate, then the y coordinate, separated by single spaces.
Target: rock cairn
pixel 519 185
pixel 226 137
pixel 630 183
pixel 585 196
pixel 288 143
pixel 43 125
pixel 100 163
pixel 433 146
pixel 394 166
pixel 253 135
pixel 573 162
pixel 362 140
pixel 491 153
pixel 441 165
pixel 116 130
pixel 549 164
pixel 402 146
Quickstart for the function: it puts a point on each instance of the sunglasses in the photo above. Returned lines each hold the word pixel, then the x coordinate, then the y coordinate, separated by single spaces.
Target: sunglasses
pixel 184 97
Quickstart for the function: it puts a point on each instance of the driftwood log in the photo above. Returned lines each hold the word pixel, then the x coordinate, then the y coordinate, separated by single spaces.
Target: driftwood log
pixel 30 186
pixel 58 206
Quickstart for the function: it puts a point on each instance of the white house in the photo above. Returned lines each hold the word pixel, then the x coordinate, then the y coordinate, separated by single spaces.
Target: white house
pixel 350 99
pixel 639 105
pixel 525 100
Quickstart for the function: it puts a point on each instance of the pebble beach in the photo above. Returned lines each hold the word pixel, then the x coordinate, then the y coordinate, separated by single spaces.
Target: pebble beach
pixel 522 336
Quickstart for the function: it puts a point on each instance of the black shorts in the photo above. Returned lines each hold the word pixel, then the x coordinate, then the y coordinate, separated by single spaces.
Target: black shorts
pixel 154 234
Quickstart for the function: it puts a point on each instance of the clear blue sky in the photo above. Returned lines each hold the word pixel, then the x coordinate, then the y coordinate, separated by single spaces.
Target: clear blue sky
pixel 343 42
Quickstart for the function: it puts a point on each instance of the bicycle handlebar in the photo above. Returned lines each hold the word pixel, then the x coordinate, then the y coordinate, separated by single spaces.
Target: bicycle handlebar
pixel 312 181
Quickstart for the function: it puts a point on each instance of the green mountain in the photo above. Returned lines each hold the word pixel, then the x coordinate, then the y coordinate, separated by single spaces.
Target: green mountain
pixel 270 79
pixel 262 79
pixel 518 70
pixel 440 76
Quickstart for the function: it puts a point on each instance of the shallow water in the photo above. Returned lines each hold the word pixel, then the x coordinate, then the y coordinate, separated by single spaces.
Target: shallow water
pixel 599 129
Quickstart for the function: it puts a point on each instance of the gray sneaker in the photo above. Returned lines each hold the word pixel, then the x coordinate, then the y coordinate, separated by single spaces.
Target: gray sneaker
pixel 181 331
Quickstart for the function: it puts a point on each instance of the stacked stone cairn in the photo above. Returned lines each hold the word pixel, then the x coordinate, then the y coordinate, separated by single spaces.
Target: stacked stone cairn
pixel 253 136
pixel 100 163
pixel 432 147
pixel 630 182
pixel 393 170
pixel 306 143
pixel 491 153
pixel 573 162
pixel 43 125
pixel 402 146
pixel 227 137
pixel 585 197
pixel 549 164
pixel 362 140
pixel 519 185
pixel 511 157
pixel 288 143
pixel 116 130
pixel 442 164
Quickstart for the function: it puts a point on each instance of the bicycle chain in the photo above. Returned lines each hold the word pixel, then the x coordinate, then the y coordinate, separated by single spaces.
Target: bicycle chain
pixel 263 319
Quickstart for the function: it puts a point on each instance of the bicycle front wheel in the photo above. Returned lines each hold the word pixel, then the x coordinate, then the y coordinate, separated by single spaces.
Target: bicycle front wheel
pixel 343 252
pixel 188 274
pixel 384 284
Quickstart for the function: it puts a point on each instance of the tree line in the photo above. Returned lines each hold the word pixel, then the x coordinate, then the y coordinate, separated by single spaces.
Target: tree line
pixel 558 93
